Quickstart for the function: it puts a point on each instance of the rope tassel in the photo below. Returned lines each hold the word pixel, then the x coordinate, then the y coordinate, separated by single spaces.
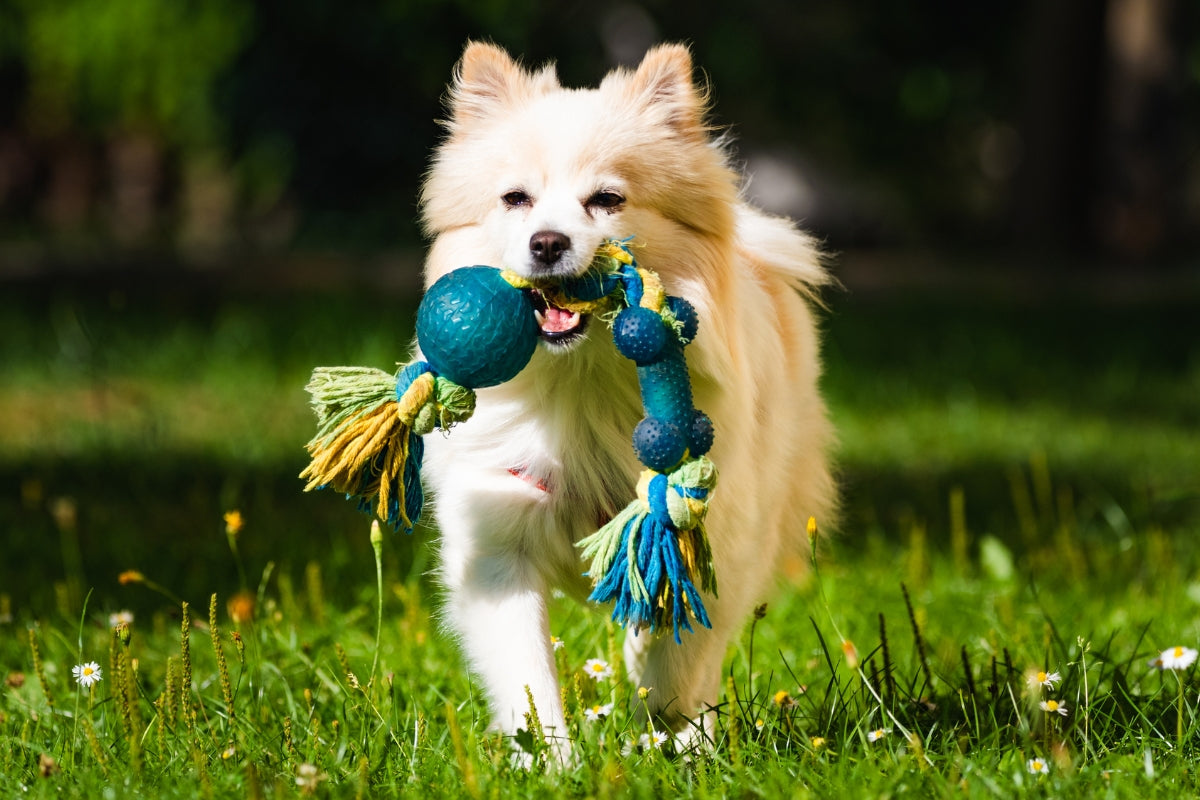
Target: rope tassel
pixel 651 558
pixel 369 425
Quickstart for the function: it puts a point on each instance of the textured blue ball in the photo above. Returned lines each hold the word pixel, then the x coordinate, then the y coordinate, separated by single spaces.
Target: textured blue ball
pixel 475 329
pixel 700 439
pixel 659 445
pixel 686 314
pixel 639 334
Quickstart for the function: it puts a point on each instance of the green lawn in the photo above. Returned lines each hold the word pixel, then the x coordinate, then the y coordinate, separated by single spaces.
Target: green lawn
pixel 1028 474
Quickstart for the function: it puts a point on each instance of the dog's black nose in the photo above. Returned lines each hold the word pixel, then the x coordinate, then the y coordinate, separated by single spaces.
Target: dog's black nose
pixel 548 246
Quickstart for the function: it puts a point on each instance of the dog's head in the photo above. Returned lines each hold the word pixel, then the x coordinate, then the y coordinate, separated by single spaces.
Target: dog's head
pixel 545 173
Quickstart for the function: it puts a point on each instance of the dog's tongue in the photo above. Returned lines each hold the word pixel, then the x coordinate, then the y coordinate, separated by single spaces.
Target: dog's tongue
pixel 556 320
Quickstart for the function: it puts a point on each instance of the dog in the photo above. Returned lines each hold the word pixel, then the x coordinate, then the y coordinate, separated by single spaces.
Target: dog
pixel 532 177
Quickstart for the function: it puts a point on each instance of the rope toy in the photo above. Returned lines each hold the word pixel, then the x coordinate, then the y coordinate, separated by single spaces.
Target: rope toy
pixel 476 327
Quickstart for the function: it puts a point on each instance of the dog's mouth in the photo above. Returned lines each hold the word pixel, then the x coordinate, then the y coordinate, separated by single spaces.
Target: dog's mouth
pixel 556 326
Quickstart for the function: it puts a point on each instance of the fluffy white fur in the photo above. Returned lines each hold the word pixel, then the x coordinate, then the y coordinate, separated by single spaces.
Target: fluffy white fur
pixel 566 420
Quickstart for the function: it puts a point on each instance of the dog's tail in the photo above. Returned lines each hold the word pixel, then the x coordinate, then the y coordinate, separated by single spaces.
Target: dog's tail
pixel 778 245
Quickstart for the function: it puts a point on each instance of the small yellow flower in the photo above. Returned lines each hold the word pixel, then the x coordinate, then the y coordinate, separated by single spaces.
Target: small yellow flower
pixel 759 724
pixel 233 522
pixel 228 752
pixel 851 653
pixel 556 643
pixel 130 576
pixel 241 606
pixel 643 692
pixel 783 699
pixel 817 742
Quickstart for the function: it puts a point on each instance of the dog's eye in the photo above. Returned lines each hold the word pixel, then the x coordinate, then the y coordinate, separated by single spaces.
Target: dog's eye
pixel 515 198
pixel 608 200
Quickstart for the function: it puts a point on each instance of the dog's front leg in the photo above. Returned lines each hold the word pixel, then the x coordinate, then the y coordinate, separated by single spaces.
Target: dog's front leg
pixel 497 604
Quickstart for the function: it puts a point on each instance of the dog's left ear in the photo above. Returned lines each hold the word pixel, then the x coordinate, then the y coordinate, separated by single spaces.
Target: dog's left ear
pixel 663 81
pixel 487 78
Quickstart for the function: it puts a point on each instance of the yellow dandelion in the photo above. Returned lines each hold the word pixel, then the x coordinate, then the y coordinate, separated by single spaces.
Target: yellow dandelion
pixel 233 522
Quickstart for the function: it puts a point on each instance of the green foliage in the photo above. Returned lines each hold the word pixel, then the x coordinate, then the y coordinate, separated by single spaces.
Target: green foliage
pixel 109 64
pixel 937 694
pixel 971 557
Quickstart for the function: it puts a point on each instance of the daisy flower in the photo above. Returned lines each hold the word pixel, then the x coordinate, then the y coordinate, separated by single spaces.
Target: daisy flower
pixel 1037 766
pixel 598 668
pixel 759 724
pixel 1047 679
pixel 1053 707
pixel 652 739
pixel 877 734
pixel 1175 658
pixel 597 712
pixel 117 617
pixel 86 674
pixel 307 777
pixel 556 643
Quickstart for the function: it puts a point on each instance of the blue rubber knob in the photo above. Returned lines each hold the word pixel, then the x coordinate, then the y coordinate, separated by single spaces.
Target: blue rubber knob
pixel 639 334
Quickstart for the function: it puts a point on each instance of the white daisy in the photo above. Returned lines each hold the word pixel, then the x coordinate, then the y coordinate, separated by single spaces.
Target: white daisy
pixel 652 739
pixel 556 642
pixel 117 617
pixel 597 712
pixel 1037 766
pixel 598 668
pixel 1175 658
pixel 86 674
pixel 877 734
pixel 1047 679
pixel 1053 707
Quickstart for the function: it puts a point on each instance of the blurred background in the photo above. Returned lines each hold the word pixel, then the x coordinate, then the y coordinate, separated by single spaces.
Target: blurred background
pixel 199 201
pixel 224 129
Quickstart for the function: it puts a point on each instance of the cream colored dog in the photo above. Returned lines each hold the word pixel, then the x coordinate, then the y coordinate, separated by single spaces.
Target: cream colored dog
pixel 533 177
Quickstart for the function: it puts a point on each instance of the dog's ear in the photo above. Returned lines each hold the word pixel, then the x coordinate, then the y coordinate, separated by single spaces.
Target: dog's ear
pixel 663 81
pixel 487 78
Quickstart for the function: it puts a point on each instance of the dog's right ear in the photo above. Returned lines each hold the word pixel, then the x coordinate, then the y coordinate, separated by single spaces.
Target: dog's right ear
pixel 487 79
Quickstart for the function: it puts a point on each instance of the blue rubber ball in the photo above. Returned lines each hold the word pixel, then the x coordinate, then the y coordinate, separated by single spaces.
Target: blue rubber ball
pixel 701 434
pixel 685 313
pixel 658 444
pixel 475 329
pixel 639 334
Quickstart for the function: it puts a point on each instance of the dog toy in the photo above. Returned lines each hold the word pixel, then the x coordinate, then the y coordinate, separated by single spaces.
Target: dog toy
pixel 476 327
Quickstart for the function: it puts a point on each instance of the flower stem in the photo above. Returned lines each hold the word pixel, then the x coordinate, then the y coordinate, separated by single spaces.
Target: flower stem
pixel 1179 716
pixel 377 546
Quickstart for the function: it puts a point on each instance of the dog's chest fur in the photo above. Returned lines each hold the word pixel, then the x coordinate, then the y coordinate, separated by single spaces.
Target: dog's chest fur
pixel 554 448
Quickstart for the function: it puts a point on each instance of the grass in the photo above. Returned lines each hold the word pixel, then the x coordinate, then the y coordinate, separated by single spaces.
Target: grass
pixel 1020 497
